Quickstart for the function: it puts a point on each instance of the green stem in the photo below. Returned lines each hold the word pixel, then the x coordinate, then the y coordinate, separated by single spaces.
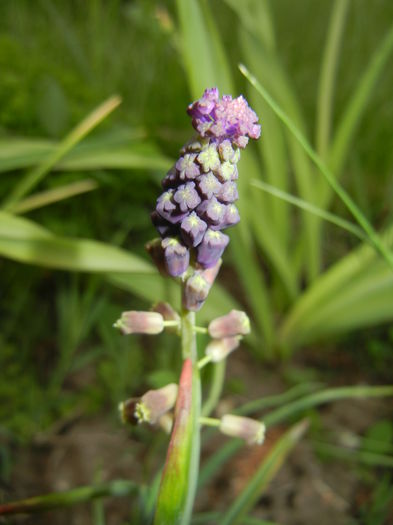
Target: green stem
pixel 215 389
pixel 204 361
pixel 189 350
pixel 200 329
pixel 179 481
pixel 209 421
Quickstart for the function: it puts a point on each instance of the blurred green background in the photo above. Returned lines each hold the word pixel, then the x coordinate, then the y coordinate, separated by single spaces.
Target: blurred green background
pixel 306 284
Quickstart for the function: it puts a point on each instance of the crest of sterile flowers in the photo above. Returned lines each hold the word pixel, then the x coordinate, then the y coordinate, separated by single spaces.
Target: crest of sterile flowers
pixel 225 118
pixel 200 192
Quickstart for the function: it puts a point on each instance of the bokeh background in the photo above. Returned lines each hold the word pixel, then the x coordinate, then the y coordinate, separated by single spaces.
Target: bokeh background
pixel 321 303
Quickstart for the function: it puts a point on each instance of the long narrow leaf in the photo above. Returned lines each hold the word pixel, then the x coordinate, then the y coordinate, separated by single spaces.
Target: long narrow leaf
pixel 202 51
pixel 289 410
pixel 357 104
pixel 326 396
pixel 265 473
pixel 124 149
pixel 24 241
pixel 357 291
pixel 328 75
pixel 319 212
pixel 339 190
pixel 267 66
pixel 118 488
pixel 76 135
pixel 58 194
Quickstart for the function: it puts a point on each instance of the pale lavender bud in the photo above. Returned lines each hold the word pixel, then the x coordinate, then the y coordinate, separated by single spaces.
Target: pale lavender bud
pixel 165 204
pixel 187 167
pixel 219 349
pixel 195 292
pixel 210 274
pixel 226 150
pixel 227 171
pixel 211 248
pixel 228 192
pixel 150 407
pixel 193 145
pixel 209 159
pixel 176 256
pixel 232 324
pixel 208 185
pixel 231 216
pixel 187 197
pixel 134 322
pixel 251 430
pixel 192 229
pixel 212 211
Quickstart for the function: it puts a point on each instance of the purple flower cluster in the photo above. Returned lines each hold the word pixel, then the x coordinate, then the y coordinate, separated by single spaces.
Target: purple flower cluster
pixel 200 189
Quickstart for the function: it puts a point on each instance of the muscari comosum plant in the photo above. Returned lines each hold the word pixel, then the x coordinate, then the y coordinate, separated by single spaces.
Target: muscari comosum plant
pixel 196 205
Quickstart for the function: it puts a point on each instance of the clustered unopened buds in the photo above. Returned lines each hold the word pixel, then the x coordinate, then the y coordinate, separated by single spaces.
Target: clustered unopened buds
pixel 196 205
pixel 200 190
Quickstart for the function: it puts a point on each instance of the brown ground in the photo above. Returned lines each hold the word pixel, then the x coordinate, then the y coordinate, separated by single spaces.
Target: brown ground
pixel 306 491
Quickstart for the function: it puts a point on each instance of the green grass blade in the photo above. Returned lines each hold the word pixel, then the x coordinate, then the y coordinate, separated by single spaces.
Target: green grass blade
pixel 257 18
pixel 319 212
pixel 118 488
pixel 279 399
pixel 203 54
pixel 265 473
pixel 18 153
pixel 288 411
pixel 132 156
pixel 354 455
pixel 58 194
pixel 215 517
pixel 115 150
pixel 267 66
pixel 367 301
pixel 325 396
pixel 339 190
pixel 349 121
pixel 328 76
pixel 362 275
pixel 24 241
pixel 32 178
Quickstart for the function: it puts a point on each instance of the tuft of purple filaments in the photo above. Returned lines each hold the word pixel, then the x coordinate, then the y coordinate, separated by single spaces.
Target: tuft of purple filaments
pixel 200 189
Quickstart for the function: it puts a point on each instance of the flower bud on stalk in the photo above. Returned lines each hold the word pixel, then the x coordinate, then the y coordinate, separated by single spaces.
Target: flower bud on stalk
pixel 234 323
pixel 134 322
pixel 150 407
pixel 169 314
pixel 251 430
pixel 219 349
